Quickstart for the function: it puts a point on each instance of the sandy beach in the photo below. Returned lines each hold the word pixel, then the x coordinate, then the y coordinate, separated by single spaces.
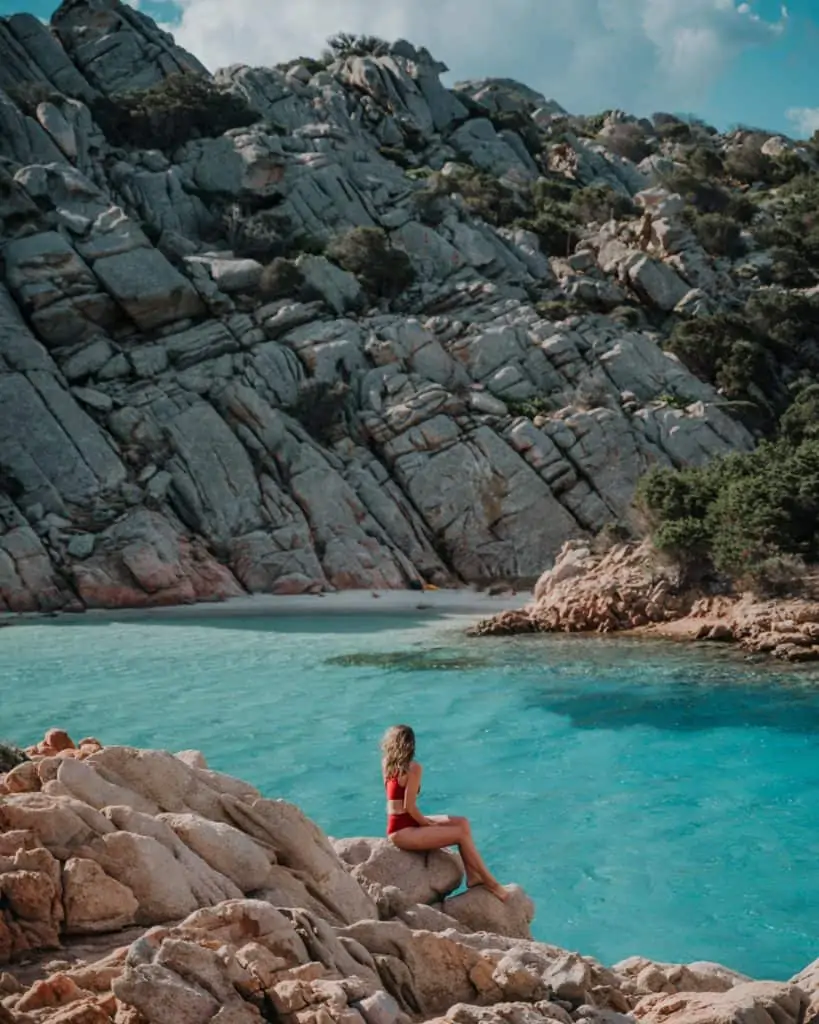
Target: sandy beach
pixel 434 603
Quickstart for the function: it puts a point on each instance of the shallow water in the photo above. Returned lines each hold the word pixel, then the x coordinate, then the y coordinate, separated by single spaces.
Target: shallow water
pixel 652 799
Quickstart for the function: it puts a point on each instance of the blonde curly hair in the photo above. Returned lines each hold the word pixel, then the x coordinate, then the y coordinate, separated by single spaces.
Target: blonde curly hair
pixel 398 748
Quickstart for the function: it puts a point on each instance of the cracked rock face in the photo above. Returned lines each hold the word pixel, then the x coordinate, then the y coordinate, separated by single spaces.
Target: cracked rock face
pixel 160 441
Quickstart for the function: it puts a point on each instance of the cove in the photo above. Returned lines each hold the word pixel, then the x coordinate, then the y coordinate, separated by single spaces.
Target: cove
pixel 652 799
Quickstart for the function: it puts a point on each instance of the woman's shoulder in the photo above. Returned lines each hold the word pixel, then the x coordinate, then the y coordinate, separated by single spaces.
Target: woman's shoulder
pixel 415 768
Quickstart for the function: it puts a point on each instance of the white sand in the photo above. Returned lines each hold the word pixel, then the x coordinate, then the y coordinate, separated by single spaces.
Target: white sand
pixel 434 603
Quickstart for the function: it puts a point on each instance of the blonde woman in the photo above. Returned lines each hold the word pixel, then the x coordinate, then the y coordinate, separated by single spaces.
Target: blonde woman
pixel 409 829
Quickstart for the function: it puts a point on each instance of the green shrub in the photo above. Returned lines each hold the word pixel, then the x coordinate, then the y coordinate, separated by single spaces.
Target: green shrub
pixel 530 407
pixel 749 354
pixel 593 123
pixel 347 44
pixel 264 235
pixel 556 231
pixel 29 95
pixel 485 197
pixel 704 195
pixel 397 156
pixel 518 122
pixel 790 268
pixel 704 162
pixel 281 279
pixel 719 235
pixel 557 309
pixel 801 421
pixel 384 272
pixel 313 66
pixel 10 757
pixel 176 110
pixel 601 203
pixel 677 131
pixel 321 409
pixel 558 190
pixel 628 141
pixel 738 512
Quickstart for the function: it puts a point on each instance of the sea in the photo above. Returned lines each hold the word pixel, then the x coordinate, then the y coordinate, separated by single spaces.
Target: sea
pixel 654 799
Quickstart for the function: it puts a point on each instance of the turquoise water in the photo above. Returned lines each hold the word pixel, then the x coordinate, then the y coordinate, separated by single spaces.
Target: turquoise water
pixel 651 799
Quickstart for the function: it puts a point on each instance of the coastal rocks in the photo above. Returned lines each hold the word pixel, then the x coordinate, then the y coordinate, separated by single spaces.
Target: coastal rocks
pixel 762 1001
pixel 197 441
pixel 787 629
pixel 31 909
pixel 643 977
pixel 421 877
pixel 480 911
pixel 95 902
pixel 629 588
pixel 126 836
pixel 143 560
pixel 280 926
pixel 586 592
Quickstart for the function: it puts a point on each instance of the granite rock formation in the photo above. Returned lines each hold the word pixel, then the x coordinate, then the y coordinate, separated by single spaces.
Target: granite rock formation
pixel 204 393
pixel 170 893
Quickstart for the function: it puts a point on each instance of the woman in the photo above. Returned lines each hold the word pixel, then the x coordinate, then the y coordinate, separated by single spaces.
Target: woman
pixel 409 829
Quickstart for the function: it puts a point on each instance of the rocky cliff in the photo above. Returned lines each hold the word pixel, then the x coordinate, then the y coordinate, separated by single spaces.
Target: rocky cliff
pixel 332 324
pixel 174 894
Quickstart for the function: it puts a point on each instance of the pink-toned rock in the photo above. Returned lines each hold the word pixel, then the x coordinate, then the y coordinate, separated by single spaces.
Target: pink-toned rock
pixel 31 910
pixel 143 561
pixel 758 1002
pixel 55 741
pixel 95 902
pixel 58 990
pixel 22 779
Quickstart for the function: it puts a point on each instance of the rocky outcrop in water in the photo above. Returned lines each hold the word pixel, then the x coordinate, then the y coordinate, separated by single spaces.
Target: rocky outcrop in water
pixel 210 386
pixel 170 893
pixel 630 588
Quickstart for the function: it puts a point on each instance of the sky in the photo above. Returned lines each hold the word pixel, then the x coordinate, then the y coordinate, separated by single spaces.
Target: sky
pixel 731 62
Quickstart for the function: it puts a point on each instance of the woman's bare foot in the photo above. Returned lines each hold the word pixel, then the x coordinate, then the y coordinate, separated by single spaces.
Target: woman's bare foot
pixel 473 880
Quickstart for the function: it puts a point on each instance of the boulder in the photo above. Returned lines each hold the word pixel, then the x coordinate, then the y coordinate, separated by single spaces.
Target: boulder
pixel 149 289
pixel 657 283
pixel 480 911
pixel 752 1001
pixel 93 901
pixel 421 877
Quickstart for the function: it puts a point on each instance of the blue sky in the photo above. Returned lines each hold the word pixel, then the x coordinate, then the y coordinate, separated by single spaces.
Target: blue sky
pixel 727 61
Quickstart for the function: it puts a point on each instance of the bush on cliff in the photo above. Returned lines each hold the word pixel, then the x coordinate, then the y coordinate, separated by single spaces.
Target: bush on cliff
pixel 628 141
pixel 176 110
pixel 750 355
pixel 384 272
pixel 10 757
pixel 281 279
pixel 347 44
pixel 719 235
pixel 738 512
pixel 321 409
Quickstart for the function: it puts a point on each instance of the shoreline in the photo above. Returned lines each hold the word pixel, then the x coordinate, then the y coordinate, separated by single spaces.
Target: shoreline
pixel 434 603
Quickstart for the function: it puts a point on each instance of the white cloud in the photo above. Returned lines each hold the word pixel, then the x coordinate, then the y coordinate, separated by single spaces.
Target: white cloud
pixel 641 55
pixel 804 119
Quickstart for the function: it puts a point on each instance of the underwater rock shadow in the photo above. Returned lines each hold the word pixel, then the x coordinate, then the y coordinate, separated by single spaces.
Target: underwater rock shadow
pixel 692 709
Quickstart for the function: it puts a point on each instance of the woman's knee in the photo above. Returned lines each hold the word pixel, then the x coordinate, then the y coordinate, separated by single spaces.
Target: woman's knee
pixel 463 825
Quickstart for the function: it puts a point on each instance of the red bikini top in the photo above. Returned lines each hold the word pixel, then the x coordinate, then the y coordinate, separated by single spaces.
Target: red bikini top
pixel 395 791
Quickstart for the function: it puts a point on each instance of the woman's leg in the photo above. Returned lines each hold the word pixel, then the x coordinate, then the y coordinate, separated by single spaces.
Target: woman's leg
pixel 456 832
pixel 474 867
pixel 476 870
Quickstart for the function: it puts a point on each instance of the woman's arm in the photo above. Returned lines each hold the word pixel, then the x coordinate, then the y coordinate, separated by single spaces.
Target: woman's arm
pixel 411 793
